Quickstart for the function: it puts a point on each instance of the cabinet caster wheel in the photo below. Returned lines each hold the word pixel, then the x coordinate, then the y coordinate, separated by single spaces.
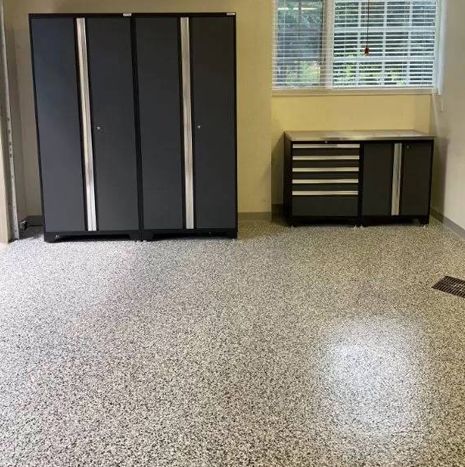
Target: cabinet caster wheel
pixel 51 238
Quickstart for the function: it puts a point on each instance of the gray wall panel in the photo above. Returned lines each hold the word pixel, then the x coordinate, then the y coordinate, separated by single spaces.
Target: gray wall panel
pixel 58 121
pixel 377 179
pixel 112 102
pixel 416 178
pixel 213 91
pixel 160 121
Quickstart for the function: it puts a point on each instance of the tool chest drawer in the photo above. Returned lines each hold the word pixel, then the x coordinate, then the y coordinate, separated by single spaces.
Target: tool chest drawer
pixel 325 179
pixel 319 205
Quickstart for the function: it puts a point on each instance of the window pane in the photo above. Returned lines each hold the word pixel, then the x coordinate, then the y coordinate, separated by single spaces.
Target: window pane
pixel 298 53
pixel 400 34
pixel 398 13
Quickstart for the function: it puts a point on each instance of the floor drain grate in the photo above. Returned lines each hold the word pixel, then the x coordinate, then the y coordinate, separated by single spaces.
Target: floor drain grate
pixel 451 285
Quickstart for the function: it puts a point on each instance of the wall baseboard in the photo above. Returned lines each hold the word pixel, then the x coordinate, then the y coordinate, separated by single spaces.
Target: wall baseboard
pixel 276 213
pixel 278 209
pixel 37 221
pixel 254 216
pixel 31 221
pixel 448 223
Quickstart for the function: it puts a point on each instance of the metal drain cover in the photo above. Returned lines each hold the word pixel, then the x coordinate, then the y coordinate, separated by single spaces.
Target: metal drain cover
pixel 451 285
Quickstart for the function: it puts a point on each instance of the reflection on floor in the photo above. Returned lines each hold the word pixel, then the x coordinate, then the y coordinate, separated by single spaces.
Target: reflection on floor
pixel 305 346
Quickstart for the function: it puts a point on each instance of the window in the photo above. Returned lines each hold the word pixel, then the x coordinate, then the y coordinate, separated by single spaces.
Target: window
pixel 299 43
pixel 321 43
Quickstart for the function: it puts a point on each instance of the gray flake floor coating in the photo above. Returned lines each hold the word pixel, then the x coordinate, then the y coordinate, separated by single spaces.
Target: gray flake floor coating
pixel 310 346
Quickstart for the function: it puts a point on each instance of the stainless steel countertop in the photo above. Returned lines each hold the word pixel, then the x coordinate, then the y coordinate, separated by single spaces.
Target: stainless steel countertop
pixel 370 135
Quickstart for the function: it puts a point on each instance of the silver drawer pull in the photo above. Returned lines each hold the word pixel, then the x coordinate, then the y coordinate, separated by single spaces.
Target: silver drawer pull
pixel 325 169
pixel 327 146
pixel 326 158
pixel 325 193
pixel 323 181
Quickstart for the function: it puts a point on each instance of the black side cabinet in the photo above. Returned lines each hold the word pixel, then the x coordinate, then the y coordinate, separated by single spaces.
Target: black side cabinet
pixel 396 180
pixel 360 177
pixel 136 123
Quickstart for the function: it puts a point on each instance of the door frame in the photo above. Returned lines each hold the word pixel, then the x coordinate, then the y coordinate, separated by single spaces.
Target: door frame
pixel 9 225
pixel 4 218
pixel 4 207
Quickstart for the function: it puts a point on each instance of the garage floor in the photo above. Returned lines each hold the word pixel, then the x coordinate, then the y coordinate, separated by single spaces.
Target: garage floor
pixel 306 346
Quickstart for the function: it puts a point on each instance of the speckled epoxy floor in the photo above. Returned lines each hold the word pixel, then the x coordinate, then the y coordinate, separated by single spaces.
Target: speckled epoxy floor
pixel 311 346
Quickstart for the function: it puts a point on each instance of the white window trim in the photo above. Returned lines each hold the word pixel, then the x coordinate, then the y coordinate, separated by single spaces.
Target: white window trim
pixel 320 91
pixel 368 91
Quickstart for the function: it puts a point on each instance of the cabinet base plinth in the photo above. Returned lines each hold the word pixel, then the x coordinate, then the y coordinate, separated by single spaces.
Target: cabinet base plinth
pixel 146 235
pixel 365 221
pixel 389 220
pixel 296 221
pixel 152 235
pixel 53 237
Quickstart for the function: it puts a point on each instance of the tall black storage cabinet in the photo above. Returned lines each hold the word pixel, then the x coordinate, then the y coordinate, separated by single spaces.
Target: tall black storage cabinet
pixel 58 124
pixel 136 123
pixel 111 89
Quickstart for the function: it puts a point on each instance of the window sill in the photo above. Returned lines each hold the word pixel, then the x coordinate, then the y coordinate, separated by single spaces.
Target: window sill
pixel 349 92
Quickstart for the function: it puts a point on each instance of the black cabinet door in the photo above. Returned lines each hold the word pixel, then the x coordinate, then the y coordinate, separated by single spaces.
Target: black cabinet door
pixel 214 121
pixel 416 178
pixel 158 69
pixel 377 179
pixel 112 103
pixel 58 123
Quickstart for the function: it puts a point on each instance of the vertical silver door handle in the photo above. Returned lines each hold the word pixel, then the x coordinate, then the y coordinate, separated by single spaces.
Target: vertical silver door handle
pixel 87 147
pixel 396 179
pixel 187 120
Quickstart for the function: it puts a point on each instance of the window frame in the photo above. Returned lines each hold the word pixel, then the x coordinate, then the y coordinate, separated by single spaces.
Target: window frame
pixel 327 63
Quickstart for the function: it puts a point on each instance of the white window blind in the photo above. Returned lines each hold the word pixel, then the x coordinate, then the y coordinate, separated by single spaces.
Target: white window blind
pixel 321 43
pixel 401 41
pixel 298 52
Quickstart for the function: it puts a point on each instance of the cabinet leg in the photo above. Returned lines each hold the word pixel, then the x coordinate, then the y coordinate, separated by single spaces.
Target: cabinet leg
pixel 424 220
pixel 146 236
pixel 51 237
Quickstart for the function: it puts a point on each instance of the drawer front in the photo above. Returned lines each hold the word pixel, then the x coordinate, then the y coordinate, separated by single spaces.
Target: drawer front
pixel 325 180
pixel 326 158
pixel 325 206
pixel 325 164
pixel 325 177
pixel 330 149
pixel 308 185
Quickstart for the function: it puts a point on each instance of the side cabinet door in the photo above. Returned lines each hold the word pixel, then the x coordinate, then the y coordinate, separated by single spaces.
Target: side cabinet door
pixel 214 121
pixel 158 63
pixel 58 123
pixel 112 104
pixel 377 179
pixel 416 178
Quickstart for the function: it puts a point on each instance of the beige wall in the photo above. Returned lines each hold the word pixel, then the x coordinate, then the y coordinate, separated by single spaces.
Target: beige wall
pixel 448 120
pixel 254 31
pixel 261 118
pixel 342 112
